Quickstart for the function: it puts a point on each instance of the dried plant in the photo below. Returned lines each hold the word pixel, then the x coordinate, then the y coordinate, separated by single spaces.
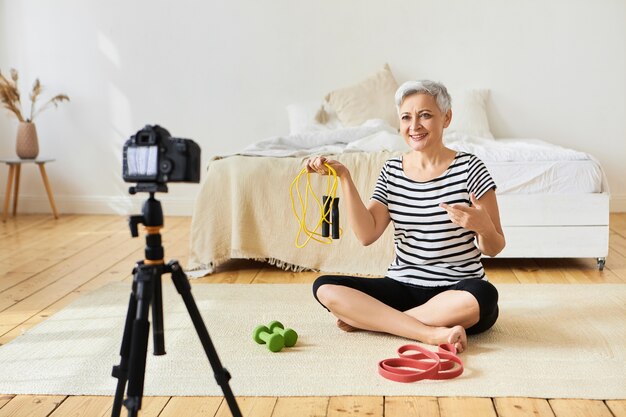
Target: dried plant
pixel 10 97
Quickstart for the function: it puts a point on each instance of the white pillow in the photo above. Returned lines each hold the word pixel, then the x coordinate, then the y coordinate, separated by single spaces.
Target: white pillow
pixel 311 116
pixel 469 113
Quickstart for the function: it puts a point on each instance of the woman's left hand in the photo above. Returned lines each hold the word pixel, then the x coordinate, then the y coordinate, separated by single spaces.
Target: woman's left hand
pixel 474 217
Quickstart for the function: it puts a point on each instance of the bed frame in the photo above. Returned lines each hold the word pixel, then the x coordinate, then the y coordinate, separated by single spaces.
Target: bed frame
pixel 555 226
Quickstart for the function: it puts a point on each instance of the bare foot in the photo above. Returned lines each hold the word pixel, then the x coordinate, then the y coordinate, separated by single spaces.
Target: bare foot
pixel 345 326
pixel 453 335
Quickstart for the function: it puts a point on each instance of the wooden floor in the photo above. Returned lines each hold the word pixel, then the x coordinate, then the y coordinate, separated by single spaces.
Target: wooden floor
pixel 46 264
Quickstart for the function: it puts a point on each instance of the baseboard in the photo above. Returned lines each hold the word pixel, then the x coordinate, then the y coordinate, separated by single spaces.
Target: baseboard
pixel 102 205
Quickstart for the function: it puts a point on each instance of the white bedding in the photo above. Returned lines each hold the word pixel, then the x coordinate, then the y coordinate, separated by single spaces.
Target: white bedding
pixel 372 136
pixel 502 150
pixel 533 166
pixel 547 177
pixel 519 166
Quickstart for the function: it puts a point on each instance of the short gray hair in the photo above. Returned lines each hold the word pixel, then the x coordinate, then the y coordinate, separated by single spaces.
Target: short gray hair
pixel 432 88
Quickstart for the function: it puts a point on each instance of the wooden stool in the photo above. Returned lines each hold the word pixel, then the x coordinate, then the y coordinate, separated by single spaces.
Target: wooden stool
pixel 15 166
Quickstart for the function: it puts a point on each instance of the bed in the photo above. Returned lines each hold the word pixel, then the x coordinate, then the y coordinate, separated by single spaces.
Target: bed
pixel 554 201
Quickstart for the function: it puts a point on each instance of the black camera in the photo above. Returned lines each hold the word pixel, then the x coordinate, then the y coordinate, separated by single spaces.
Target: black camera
pixel 152 155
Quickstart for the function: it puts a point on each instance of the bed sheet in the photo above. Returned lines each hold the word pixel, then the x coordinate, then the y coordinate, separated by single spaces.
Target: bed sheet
pixel 533 166
pixel 547 177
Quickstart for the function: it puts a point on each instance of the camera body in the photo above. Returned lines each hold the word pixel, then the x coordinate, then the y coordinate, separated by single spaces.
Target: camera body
pixel 153 156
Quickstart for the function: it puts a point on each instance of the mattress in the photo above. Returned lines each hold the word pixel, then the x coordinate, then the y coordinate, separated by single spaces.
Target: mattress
pixel 547 177
pixel 532 166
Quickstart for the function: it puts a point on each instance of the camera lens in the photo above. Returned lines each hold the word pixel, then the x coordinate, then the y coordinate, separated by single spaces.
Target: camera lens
pixel 166 166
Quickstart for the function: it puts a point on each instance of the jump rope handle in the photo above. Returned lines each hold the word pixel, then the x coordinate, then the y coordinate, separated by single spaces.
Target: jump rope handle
pixel 325 222
pixel 334 217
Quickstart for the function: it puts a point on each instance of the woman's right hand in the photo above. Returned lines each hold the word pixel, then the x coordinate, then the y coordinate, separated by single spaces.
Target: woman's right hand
pixel 318 165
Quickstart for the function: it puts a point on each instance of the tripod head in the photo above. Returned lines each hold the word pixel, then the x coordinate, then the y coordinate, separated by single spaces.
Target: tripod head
pixel 151 212
pixel 152 218
pixel 148 187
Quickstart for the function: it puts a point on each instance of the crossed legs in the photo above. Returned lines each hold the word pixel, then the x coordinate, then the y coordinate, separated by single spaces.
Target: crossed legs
pixel 430 315
pixel 442 319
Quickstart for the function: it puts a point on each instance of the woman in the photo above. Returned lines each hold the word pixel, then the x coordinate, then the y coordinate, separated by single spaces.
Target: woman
pixel 443 207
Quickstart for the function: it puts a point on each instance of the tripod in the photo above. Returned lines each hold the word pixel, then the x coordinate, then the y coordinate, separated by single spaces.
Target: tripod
pixel 147 293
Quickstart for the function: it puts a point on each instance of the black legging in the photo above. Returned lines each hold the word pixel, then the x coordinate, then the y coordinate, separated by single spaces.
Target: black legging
pixel 404 297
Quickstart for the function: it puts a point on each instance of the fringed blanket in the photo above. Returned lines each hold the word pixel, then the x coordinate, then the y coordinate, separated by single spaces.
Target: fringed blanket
pixel 244 211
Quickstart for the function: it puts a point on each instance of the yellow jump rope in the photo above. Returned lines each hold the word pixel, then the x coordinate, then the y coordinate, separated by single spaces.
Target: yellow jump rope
pixel 329 209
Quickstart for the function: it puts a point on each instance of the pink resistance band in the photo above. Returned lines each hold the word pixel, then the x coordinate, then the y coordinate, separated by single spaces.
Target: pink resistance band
pixel 416 363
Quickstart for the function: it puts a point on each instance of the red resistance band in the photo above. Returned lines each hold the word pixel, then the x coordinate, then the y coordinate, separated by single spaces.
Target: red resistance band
pixel 416 363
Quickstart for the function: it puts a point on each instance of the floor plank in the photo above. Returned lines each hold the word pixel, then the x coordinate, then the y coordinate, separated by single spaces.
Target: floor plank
pixel 5 399
pixel 362 406
pixel 616 263
pixel 250 407
pixel 585 271
pixel 522 407
pixel 466 407
pixel 411 407
pixel 301 407
pixel 617 407
pixel 85 406
pixel 232 272
pixel 189 407
pixel 528 271
pixel 617 223
pixel 617 242
pixel 22 223
pixel 499 271
pixel 579 408
pixel 31 405
pixel 273 275
pixel 151 406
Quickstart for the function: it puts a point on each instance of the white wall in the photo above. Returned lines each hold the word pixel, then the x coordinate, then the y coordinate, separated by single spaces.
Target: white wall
pixel 223 72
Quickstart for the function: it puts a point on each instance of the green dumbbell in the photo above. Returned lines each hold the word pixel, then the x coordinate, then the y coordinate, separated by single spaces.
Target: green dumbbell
pixel 274 341
pixel 290 335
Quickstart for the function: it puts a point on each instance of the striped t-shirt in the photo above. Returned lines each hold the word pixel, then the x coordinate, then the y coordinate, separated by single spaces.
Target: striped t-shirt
pixel 431 250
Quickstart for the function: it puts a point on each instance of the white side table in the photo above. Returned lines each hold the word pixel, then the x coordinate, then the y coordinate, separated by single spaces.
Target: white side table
pixel 15 166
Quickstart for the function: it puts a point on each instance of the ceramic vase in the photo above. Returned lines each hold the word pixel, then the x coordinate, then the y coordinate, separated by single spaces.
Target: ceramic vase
pixel 27 144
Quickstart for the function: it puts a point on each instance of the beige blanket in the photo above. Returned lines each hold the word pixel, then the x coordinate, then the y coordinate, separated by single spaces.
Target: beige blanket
pixel 244 211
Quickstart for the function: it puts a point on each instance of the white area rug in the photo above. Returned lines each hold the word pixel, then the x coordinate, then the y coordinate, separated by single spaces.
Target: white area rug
pixel 551 341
